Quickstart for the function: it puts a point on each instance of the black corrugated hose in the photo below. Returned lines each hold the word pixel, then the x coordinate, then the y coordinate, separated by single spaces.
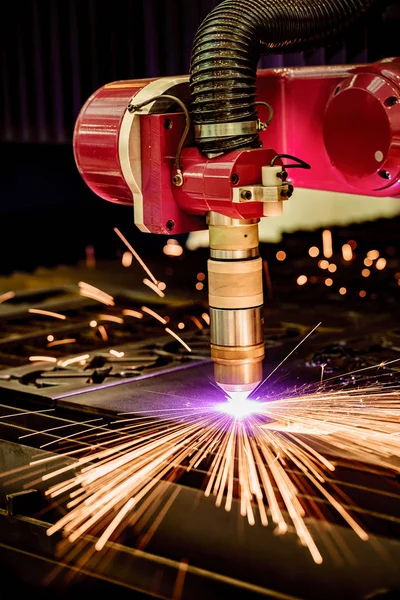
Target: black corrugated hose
pixel 228 45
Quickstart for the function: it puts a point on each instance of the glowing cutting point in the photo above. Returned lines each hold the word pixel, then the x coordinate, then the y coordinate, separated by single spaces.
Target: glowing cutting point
pixel 238 406
pixel 239 391
pixel 240 396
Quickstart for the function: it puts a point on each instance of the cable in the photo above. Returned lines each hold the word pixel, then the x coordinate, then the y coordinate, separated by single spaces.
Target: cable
pixel 263 126
pixel 135 107
pixel 228 45
pixel 300 164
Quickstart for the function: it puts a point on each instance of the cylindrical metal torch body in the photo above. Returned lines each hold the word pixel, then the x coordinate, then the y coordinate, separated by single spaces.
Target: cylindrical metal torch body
pixel 236 301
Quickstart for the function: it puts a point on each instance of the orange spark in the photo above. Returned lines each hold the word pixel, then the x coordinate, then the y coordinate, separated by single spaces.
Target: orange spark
pixel 61 342
pixel 196 321
pixel 327 243
pixel 132 313
pixel 71 361
pixel 347 252
pixel 136 255
pixel 153 313
pixel 322 372
pixel 103 332
pixel 206 318
pixel 47 313
pixel 380 264
pixel 180 340
pixel 313 251
pixel 6 296
pixel 111 318
pixel 90 291
pixel 373 254
pixel 173 249
pixel 302 279
pixel 154 287
pixel 127 259
pixel 43 359
pixel 117 354
pixel 111 485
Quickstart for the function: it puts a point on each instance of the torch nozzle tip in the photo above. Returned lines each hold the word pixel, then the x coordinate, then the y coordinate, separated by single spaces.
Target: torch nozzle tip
pixel 238 391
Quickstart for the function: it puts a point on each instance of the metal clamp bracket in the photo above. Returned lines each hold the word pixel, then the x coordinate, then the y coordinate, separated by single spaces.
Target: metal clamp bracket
pixel 213 130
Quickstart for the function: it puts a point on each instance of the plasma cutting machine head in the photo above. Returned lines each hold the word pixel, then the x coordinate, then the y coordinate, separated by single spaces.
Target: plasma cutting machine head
pixel 175 189
pixel 214 149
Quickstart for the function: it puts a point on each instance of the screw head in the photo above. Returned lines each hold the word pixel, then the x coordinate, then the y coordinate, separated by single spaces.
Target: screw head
pixel 235 178
pixel 282 175
pixel 170 224
pixel 246 195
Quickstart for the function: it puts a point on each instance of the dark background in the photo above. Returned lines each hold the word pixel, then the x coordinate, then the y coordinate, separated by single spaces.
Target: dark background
pixel 54 55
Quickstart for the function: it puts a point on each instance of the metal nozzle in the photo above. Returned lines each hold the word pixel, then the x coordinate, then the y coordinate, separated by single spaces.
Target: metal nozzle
pixel 236 304
pixel 236 392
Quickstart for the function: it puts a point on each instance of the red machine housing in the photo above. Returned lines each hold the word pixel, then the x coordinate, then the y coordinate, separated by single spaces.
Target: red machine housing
pixel 343 120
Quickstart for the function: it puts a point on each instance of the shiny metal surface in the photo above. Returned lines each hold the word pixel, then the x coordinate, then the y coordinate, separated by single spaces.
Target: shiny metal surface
pixel 234 254
pixel 235 293
pixel 242 327
pixel 225 129
pixel 238 369
pixel 245 378
pixel 214 218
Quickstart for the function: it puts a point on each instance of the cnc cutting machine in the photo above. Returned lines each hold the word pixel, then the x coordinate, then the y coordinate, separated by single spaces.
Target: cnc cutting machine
pixel 217 148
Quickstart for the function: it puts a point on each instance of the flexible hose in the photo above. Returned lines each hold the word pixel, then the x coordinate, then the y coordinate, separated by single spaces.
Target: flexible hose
pixel 228 45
